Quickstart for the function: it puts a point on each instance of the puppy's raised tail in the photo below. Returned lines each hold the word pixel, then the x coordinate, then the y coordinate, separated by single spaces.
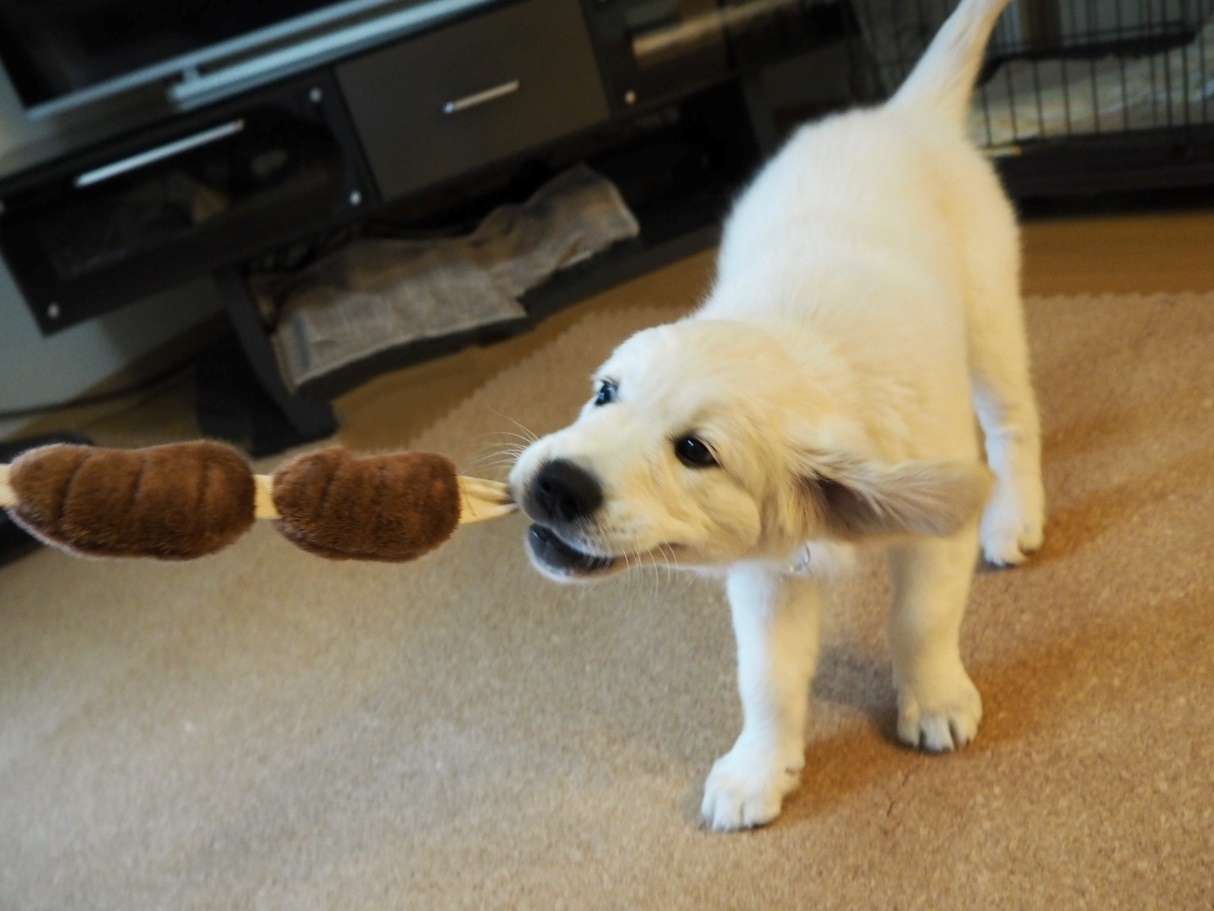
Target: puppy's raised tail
pixel 943 80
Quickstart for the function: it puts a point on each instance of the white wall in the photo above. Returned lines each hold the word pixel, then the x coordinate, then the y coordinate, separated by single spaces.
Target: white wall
pixel 35 369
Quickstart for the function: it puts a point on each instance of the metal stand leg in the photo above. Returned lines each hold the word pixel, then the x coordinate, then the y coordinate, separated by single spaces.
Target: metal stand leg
pixel 292 419
pixel 762 121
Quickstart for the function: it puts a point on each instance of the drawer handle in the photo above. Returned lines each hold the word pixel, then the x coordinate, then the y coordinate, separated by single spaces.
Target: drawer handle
pixel 159 153
pixel 479 98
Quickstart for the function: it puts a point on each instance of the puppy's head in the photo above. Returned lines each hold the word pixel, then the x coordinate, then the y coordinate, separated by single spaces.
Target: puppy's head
pixel 705 443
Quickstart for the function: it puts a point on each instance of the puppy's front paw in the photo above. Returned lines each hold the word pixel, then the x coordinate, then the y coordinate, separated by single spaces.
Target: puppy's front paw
pixel 942 721
pixel 747 786
pixel 1011 529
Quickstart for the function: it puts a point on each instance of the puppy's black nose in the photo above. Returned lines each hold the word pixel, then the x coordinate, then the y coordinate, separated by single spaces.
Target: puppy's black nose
pixel 564 492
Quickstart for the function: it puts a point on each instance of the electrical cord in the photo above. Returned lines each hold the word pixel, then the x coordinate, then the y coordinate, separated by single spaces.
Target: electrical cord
pixel 99 398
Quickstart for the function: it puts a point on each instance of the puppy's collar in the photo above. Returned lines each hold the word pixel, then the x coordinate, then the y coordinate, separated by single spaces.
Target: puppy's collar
pixel 799 564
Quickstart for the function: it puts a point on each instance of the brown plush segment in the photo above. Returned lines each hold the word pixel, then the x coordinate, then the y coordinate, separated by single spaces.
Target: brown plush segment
pixel 172 502
pixel 391 508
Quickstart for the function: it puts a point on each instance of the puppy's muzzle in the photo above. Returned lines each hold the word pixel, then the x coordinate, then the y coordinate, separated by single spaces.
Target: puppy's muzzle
pixel 562 498
pixel 563 493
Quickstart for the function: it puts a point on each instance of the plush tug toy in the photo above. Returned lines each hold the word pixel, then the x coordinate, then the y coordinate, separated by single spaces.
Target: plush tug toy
pixel 188 500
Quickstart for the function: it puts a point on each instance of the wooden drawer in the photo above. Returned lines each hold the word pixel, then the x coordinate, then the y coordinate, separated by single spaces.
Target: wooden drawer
pixel 434 106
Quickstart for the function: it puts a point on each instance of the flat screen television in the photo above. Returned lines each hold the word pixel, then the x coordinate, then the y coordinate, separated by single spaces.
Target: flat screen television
pixel 62 54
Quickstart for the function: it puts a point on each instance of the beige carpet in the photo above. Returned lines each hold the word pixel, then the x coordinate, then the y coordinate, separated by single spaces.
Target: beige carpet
pixel 263 729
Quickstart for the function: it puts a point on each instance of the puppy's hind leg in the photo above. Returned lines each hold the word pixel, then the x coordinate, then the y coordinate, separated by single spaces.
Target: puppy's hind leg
pixel 1014 518
pixel 1001 384
pixel 776 621
pixel 938 705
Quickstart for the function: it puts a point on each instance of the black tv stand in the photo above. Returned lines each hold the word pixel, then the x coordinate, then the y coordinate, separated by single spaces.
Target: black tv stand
pixel 451 113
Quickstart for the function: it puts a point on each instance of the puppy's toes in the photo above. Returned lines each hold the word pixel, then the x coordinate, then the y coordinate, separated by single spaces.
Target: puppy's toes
pixel 1009 537
pixel 942 723
pixel 746 789
pixel 1006 553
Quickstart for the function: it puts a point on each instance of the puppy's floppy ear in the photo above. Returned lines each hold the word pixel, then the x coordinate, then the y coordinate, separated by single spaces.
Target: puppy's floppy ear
pixel 852 498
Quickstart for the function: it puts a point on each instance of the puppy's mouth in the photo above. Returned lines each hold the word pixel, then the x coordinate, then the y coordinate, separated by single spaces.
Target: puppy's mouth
pixel 562 559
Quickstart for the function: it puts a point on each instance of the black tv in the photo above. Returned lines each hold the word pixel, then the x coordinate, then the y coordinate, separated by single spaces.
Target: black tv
pixel 62 54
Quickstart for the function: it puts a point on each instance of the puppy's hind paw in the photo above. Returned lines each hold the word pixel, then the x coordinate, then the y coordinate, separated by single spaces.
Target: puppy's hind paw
pixel 1008 539
pixel 746 788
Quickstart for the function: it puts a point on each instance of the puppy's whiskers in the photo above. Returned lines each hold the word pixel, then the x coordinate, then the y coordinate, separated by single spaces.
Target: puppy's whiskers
pixel 670 562
pixel 528 435
pixel 506 445
pixel 524 441
pixel 657 576
pixel 502 459
pixel 502 454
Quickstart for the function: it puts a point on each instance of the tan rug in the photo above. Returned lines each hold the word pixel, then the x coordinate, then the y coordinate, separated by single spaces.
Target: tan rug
pixel 263 729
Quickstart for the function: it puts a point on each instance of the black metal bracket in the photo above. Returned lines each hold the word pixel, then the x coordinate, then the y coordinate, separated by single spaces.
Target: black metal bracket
pixel 242 394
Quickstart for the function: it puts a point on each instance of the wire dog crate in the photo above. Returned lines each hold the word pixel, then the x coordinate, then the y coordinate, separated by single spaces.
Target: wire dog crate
pixel 1077 96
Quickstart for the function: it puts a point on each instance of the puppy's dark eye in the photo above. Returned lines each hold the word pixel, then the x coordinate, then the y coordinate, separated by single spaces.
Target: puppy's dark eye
pixel 693 453
pixel 606 393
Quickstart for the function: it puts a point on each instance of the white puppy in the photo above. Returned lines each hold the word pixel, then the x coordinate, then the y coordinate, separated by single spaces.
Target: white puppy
pixel 866 304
